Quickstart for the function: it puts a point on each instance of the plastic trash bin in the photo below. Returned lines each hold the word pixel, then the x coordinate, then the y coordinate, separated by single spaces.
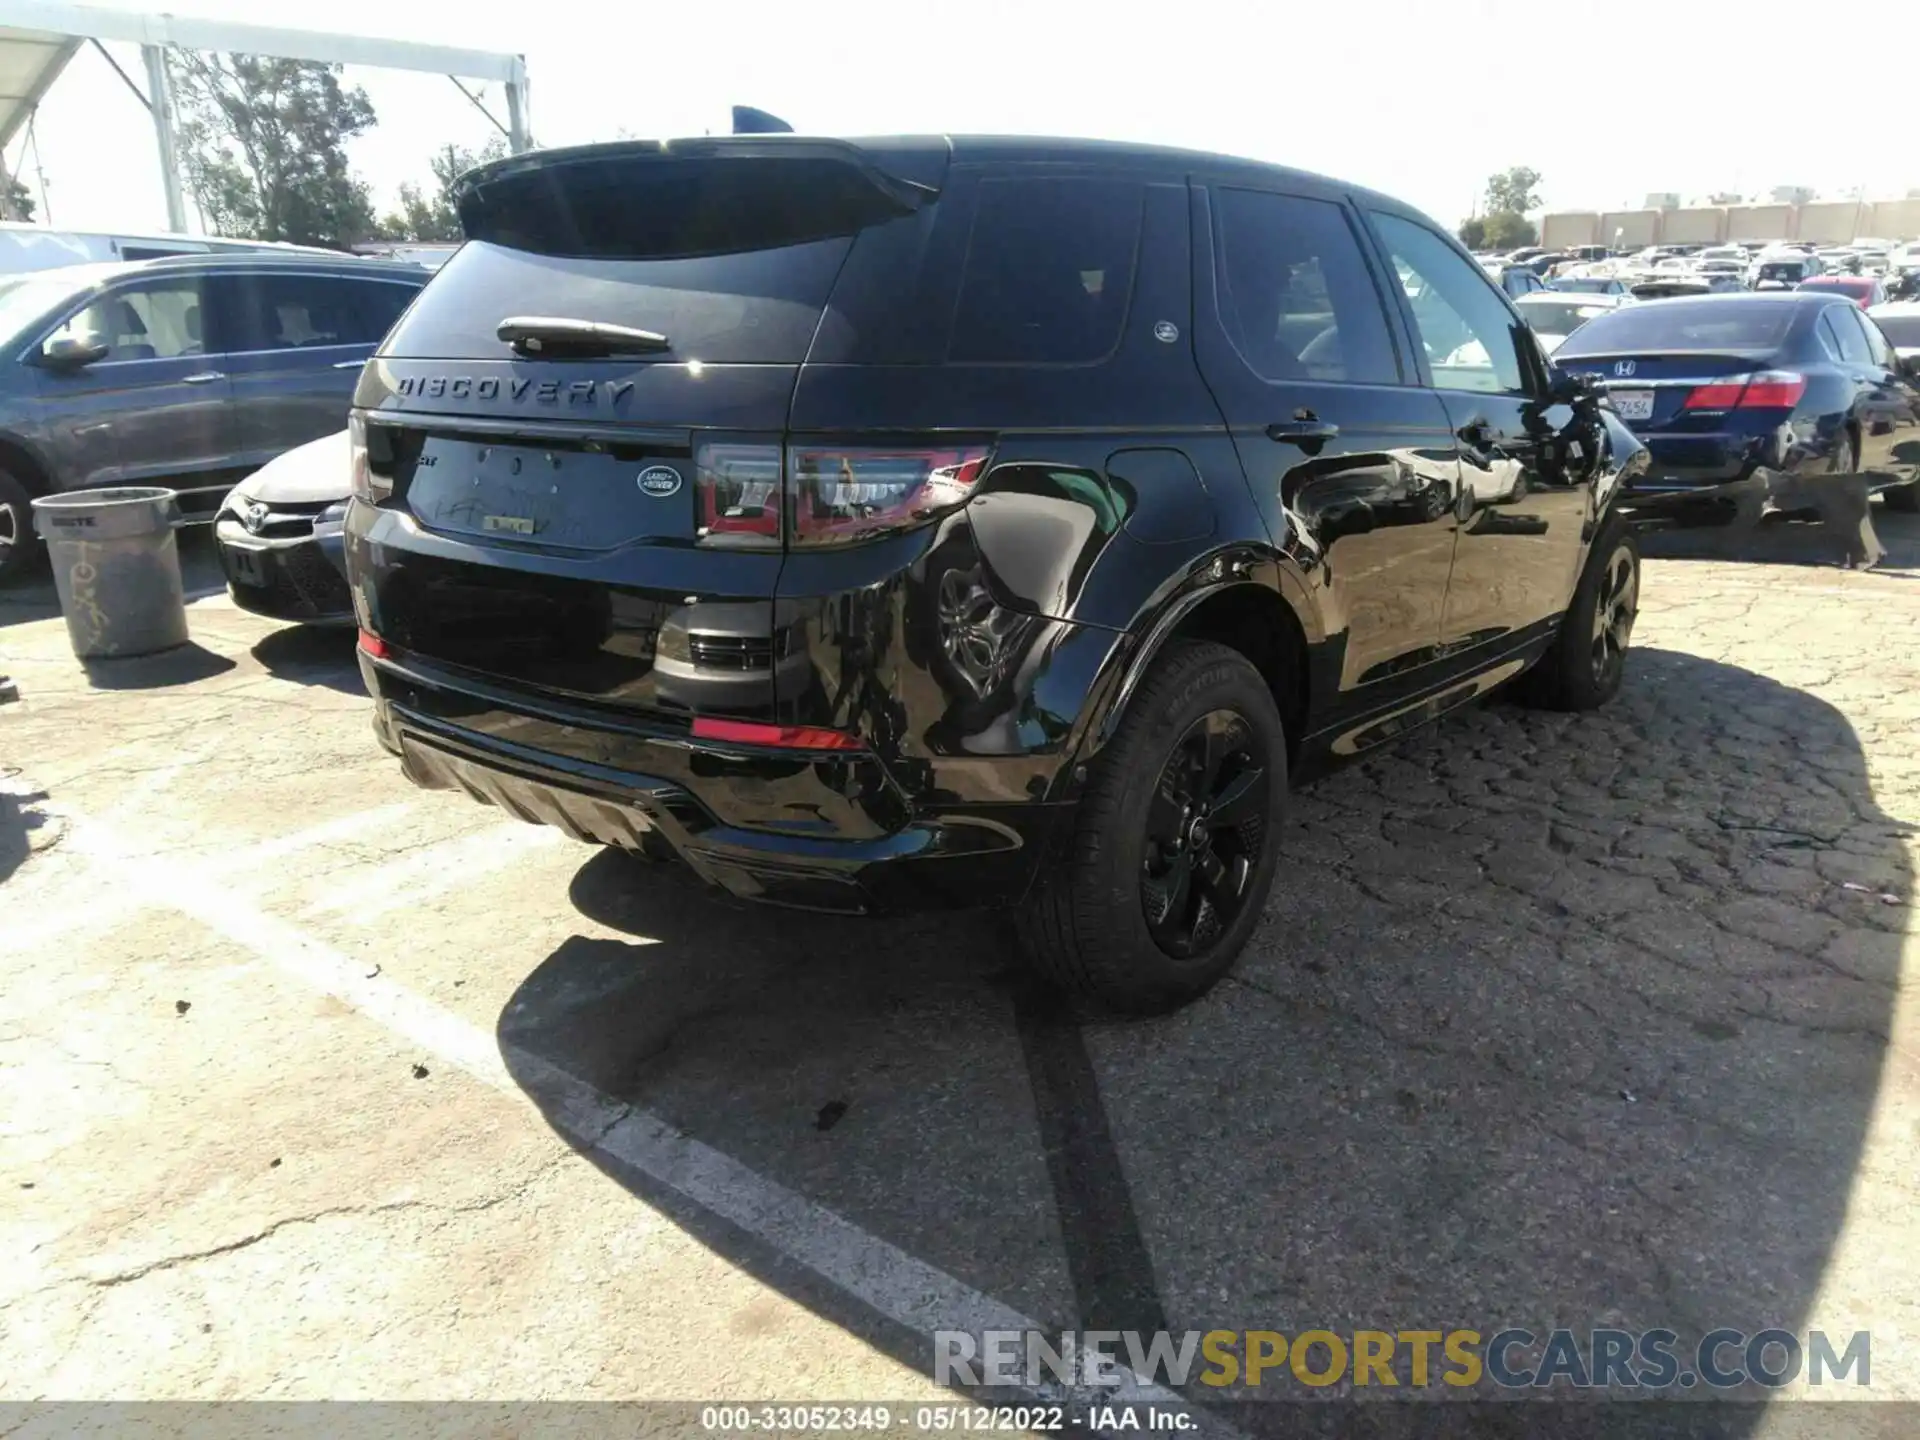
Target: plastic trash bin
pixel 117 568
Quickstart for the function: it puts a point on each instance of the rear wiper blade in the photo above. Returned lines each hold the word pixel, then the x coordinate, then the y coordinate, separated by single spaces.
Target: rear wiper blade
pixel 548 334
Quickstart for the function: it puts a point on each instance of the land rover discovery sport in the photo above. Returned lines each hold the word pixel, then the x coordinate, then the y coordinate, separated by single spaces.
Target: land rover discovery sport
pixel 983 522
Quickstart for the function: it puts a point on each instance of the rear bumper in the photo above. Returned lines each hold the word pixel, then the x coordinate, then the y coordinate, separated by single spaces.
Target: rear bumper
pixel 831 833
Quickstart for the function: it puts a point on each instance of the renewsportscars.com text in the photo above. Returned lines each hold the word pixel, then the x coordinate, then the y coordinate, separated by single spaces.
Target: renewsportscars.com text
pixel 1509 1358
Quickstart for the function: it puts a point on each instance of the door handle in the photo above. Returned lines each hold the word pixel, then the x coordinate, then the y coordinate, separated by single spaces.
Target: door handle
pixel 204 377
pixel 348 364
pixel 1304 431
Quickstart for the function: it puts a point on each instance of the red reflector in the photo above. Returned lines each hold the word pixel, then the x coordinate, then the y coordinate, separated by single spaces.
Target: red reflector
pixel 372 644
pixel 784 737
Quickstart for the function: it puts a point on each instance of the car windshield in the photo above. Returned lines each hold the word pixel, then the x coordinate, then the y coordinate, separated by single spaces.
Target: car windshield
pixel 1901 330
pixel 1685 325
pixel 1559 317
pixel 1586 285
pixel 28 298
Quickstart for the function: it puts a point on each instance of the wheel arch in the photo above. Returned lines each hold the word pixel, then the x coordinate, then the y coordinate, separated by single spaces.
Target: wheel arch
pixel 21 461
pixel 1266 617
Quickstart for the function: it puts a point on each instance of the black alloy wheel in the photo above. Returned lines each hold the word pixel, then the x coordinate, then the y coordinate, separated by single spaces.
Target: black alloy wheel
pixel 1151 895
pixel 1615 607
pixel 1205 826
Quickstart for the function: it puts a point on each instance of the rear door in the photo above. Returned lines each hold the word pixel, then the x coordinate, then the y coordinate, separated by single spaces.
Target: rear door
pixel 1889 407
pixel 1523 516
pixel 299 340
pixel 608 526
pixel 1352 463
pixel 156 406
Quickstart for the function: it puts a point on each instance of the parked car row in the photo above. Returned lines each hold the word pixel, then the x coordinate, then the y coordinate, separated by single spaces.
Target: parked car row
pixel 191 370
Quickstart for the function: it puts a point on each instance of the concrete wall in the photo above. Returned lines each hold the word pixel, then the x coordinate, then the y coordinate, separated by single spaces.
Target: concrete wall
pixel 1760 222
pixel 1635 228
pixel 1896 220
pixel 1693 227
pixel 1827 222
pixel 1573 227
pixel 1831 222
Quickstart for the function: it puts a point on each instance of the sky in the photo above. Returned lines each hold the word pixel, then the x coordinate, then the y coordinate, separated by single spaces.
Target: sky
pixel 1420 98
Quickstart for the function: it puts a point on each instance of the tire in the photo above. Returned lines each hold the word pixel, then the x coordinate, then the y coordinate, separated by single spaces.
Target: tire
pixel 1202 731
pixel 19 546
pixel 1588 659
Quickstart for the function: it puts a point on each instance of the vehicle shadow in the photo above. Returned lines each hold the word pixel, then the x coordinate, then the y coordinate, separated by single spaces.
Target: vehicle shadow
pixel 312 655
pixel 1891 540
pixel 1553 1020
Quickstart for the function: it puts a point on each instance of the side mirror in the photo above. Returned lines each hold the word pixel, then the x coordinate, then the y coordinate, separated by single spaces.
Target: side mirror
pixel 1568 387
pixel 70 352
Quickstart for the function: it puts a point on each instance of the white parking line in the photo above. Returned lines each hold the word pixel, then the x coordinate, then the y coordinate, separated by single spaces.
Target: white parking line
pixel 898 1286
pixel 436 869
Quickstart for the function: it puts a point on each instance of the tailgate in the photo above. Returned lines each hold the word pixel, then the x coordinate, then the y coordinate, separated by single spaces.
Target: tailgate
pixel 599 518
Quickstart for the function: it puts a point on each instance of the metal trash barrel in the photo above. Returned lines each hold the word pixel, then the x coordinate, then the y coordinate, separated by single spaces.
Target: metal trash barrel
pixel 117 568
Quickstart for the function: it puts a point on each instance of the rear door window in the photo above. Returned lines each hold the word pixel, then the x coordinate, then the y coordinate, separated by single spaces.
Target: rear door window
pixel 1295 294
pixel 1049 271
pixel 1851 334
pixel 307 312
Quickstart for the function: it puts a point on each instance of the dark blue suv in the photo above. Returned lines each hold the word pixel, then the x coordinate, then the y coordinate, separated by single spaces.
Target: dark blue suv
pixel 189 371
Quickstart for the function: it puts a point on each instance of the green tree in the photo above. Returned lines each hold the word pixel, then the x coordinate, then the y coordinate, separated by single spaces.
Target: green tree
pixel 423 215
pixel 1506 230
pixel 1473 233
pixel 263 144
pixel 1514 191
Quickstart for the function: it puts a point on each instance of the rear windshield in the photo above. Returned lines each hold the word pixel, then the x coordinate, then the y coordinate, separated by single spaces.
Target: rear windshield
pixel 750 305
pixel 1902 330
pixel 1837 282
pixel 1685 325
pixel 1559 317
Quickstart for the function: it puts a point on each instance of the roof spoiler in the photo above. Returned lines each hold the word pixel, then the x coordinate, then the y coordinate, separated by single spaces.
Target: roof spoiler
pixel 749 121
pixel 908 177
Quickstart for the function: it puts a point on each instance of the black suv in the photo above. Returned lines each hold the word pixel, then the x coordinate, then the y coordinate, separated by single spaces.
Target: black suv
pixel 933 521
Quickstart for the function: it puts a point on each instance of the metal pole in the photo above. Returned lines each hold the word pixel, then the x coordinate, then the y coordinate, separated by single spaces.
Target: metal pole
pixel 160 98
pixel 518 140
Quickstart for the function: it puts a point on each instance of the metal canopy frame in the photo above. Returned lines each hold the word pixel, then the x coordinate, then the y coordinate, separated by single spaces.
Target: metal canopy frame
pixel 39 37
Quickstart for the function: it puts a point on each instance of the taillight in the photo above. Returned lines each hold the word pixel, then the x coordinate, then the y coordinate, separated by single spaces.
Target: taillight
pixel 364 484
pixel 782 737
pixel 842 494
pixel 737 496
pixel 1764 390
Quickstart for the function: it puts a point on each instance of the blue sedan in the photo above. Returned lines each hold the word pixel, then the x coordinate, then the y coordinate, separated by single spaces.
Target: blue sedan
pixel 1721 387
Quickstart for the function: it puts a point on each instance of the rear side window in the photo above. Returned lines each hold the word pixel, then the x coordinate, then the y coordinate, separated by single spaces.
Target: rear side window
pixel 1049 271
pixel 1704 325
pixel 1295 295
pixel 301 312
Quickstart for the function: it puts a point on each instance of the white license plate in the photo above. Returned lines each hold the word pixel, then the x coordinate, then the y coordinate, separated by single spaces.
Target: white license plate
pixel 1632 404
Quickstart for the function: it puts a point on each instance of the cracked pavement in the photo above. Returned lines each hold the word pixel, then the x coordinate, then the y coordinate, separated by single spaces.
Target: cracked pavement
pixel 1598 1020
